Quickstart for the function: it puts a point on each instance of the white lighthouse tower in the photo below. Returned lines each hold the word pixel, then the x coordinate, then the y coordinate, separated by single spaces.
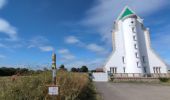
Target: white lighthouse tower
pixel 132 52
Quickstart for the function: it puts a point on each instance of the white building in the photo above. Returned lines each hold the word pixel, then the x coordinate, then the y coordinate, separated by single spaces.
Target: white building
pixel 132 52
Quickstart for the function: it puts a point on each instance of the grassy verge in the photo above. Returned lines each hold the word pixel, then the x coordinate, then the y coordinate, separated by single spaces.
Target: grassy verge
pixel 73 86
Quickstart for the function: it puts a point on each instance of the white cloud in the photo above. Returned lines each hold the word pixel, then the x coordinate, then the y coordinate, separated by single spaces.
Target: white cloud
pixel 91 64
pixel 96 48
pixel 2 3
pixel 72 40
pixel 66 55
pixel 40 42
pixel 104 12
pixel 92 46
pixel 46 48
pixel 8 29
pixel 63 51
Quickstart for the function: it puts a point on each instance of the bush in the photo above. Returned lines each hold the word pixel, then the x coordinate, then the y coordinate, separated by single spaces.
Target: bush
pixel 164 79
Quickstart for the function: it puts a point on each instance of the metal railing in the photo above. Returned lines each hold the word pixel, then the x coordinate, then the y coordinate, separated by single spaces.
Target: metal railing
pixel 139 75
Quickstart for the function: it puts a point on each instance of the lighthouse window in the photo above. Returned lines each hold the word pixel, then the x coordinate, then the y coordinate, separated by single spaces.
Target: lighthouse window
pixel 143 58
pixel 134 38
pixel 145 69
pixel 133 29
pixel 135 45
pixel 123 59
pixel 124 69
pixel 132 22
pixel 137 56
pixel 137 63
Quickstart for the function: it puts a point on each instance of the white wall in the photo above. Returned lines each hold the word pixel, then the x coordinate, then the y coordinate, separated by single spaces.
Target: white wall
pixel 123 45
pixel 154 59
pixel 130 51
pixel 115 59
pixel 100 77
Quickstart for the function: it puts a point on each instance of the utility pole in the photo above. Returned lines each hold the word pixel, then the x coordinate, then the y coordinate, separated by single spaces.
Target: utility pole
pixel 54 68
pixel 53 89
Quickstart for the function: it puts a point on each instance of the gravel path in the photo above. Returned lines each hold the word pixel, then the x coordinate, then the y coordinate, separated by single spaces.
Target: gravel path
pixel 133 91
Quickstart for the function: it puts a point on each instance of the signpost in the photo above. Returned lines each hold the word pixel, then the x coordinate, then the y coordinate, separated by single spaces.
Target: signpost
pixel 54 68
pixel 53 90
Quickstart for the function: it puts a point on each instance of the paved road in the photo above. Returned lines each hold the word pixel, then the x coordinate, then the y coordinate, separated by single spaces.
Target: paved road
pixel 133 91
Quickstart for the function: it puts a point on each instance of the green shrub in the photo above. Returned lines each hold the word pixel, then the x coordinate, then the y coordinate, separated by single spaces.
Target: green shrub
pixel 164 79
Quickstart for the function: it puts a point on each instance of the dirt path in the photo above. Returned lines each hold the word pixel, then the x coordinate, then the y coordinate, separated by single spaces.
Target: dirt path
pixel 133 91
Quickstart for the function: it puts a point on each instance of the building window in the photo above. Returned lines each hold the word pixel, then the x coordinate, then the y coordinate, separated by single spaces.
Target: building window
pixel 137 63
pixel 144 68
pixel 113 70
pixel 134 38
pixel 143 58
pixel 157 69
pixel 124 69
pixel 154 69
pixel 137 56
pixel 135 46
pixel 123 59
pixel 133 29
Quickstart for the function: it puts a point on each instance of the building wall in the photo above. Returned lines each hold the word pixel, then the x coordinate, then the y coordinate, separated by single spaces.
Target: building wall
pixel 124 46
pixel 143 47
pixel 115 59
pixel 154 59
pixel 132 54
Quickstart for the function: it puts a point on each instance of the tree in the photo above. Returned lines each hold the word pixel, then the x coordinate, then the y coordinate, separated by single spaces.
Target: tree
pixel 84 69
pixel 74 69
pixel 45 69
pixel 62 67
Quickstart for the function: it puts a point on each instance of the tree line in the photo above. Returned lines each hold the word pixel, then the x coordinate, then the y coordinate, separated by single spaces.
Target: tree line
pixel 74 69
pixel 6 71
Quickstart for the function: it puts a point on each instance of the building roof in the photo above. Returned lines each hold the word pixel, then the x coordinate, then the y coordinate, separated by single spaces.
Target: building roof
pixel 126 12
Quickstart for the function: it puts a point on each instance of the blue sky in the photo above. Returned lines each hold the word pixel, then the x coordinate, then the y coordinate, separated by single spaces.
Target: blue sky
pixel 79 31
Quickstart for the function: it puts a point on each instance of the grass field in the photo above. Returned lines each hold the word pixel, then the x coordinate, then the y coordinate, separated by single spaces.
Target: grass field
pixel 73 86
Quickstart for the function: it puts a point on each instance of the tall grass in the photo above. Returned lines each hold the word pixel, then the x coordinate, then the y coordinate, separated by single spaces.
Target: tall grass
pixel 73 86
pixel 24 87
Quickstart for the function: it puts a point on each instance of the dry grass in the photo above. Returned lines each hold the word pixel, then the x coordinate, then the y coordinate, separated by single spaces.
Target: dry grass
pixel 24 88
pixel 73 86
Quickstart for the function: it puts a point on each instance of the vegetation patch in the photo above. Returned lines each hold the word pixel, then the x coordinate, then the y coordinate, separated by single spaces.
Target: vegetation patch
pixel 164 79
pixel 73 86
